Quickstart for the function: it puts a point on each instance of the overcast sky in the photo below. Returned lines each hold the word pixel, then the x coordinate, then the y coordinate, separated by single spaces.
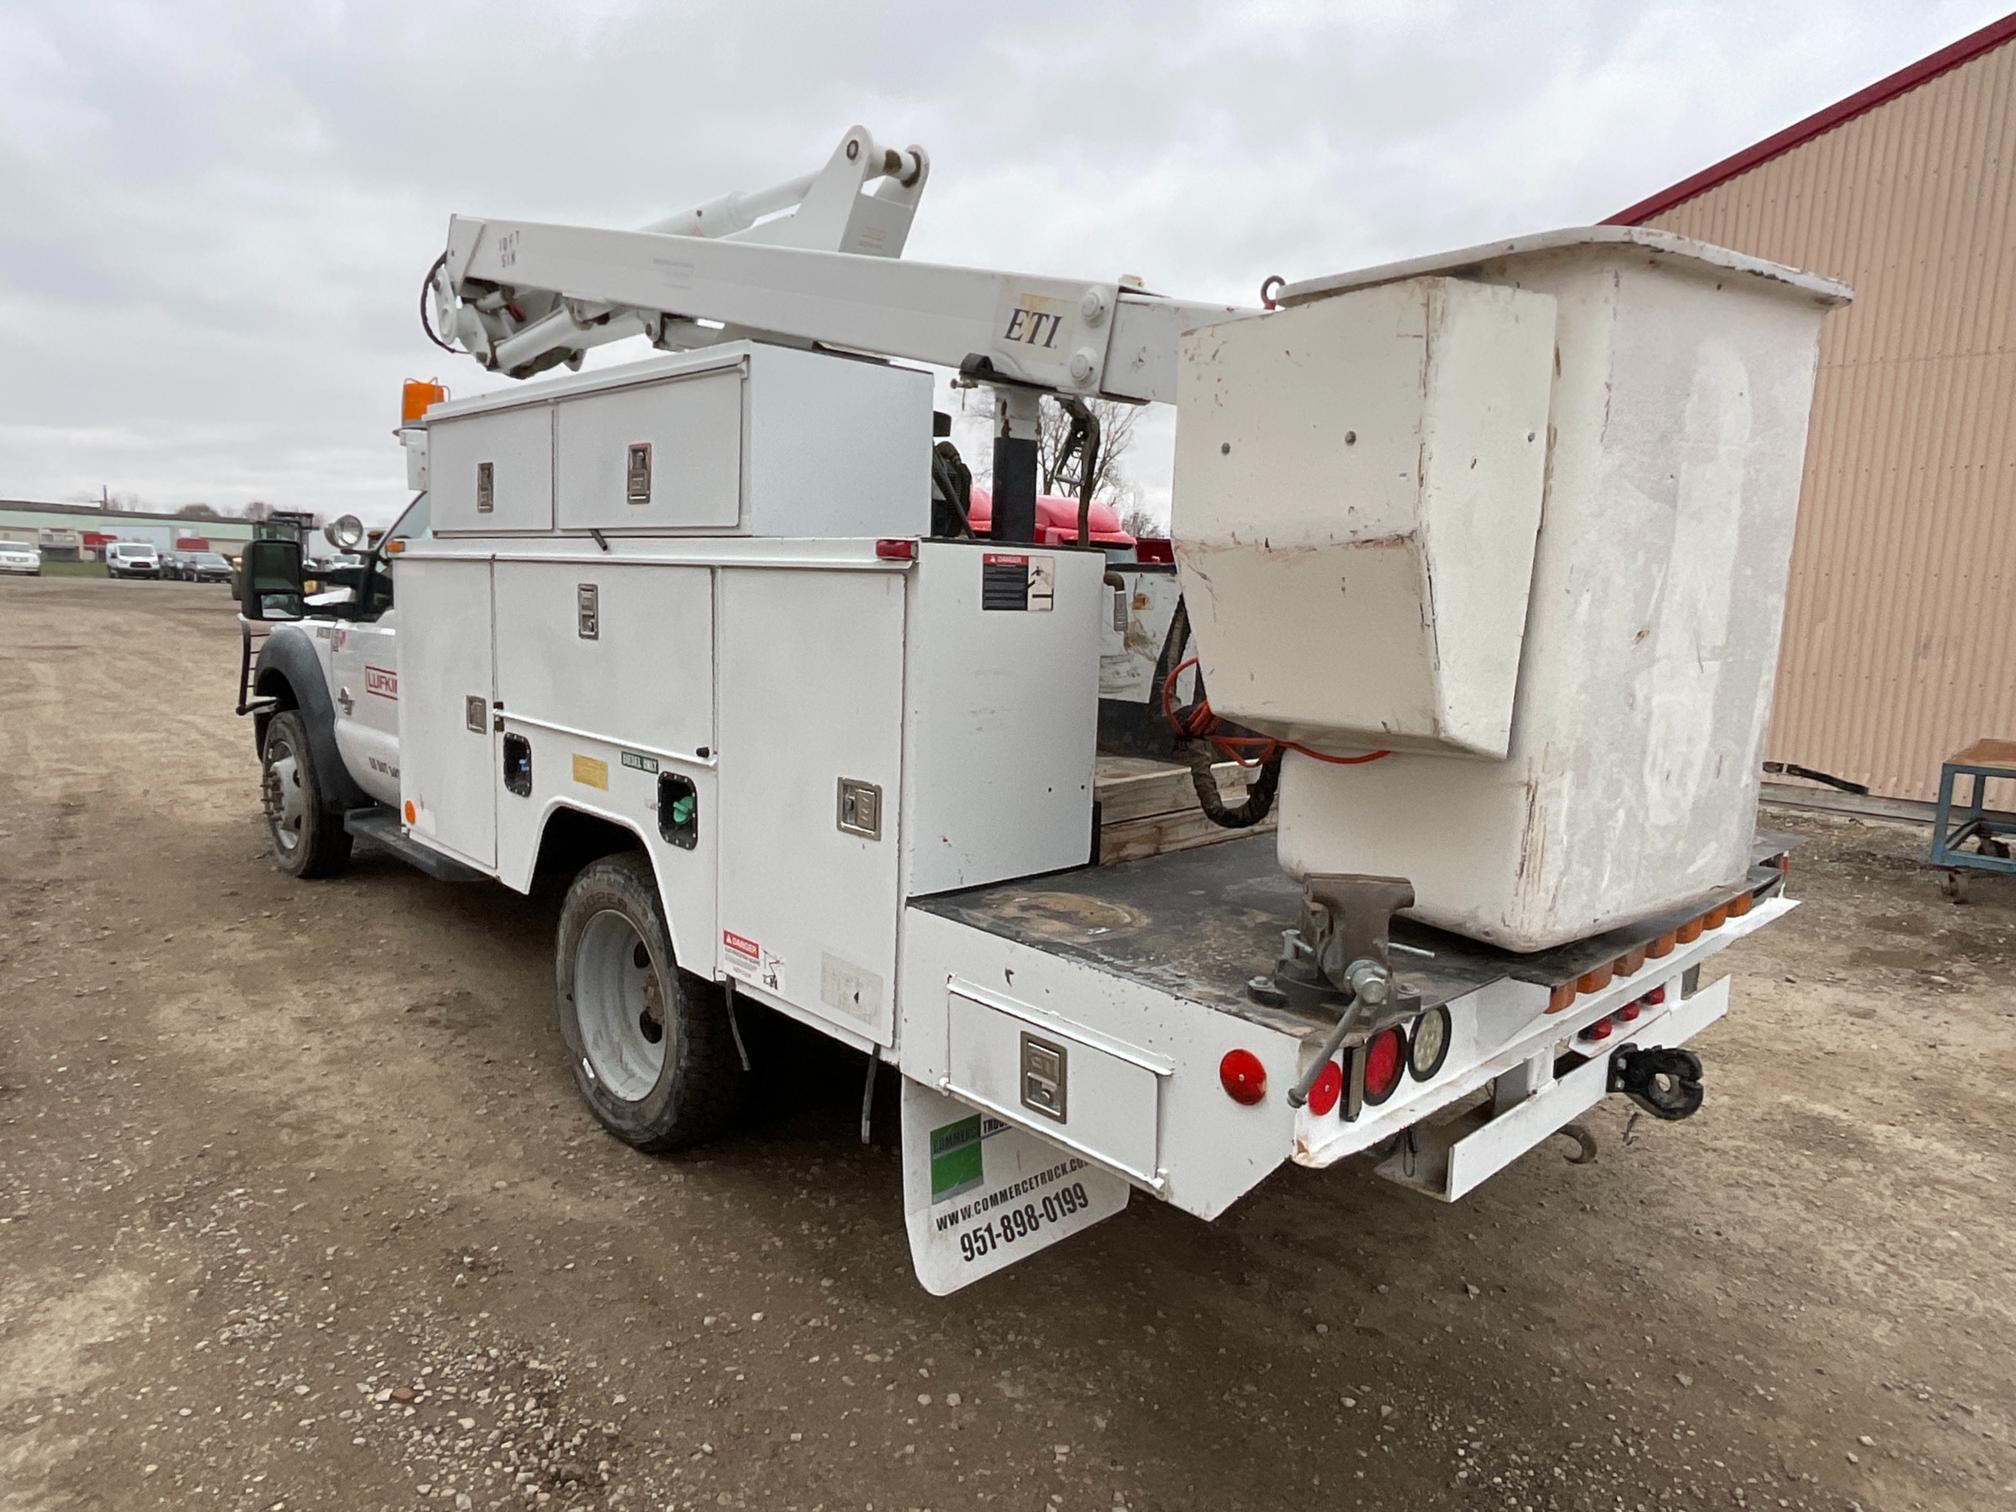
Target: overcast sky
pixel 214 218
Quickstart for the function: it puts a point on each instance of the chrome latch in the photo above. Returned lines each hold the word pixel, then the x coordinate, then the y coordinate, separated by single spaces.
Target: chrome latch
pixel 1043 1067
pixel 860 808
pixel 637 476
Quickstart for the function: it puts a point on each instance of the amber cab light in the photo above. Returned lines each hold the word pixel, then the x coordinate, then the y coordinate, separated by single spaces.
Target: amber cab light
pixel 417 397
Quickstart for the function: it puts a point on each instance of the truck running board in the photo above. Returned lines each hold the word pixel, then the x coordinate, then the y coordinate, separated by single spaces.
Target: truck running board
pixel 381 826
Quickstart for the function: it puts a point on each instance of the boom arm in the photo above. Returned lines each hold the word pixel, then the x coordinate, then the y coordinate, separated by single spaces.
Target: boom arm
pixel 522 296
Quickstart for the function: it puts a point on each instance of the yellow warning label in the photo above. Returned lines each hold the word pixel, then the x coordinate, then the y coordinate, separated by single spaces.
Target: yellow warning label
pixel 590 771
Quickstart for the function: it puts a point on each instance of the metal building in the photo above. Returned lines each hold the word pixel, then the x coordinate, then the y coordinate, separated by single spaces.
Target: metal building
pixel 1900 630
pixel 64 531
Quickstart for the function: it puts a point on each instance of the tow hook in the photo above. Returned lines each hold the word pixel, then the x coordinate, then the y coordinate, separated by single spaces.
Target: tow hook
pixel 1665 1083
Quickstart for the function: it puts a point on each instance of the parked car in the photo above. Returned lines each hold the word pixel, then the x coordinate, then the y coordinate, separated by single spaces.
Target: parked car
pixel 171 565
pixel 19 557
pixel 132 559
pixel 204 567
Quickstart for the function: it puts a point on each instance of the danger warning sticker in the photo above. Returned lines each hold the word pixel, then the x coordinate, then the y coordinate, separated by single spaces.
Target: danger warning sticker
pixel 1017 581
pixel 747 961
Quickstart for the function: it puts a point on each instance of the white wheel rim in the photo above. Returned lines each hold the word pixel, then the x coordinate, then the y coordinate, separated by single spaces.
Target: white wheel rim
pixel 619 1005
pixel 280 792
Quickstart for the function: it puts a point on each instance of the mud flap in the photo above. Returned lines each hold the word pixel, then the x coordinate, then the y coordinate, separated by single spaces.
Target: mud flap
pixel 980 1194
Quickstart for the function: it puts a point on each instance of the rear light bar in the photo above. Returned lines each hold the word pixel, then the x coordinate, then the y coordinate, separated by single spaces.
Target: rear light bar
pixel 1562 995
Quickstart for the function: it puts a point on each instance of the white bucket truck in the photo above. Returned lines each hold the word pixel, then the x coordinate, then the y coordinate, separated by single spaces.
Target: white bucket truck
pixel 1485 554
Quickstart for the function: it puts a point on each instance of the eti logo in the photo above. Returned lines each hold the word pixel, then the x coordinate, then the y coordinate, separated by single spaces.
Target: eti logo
pixel 1034 321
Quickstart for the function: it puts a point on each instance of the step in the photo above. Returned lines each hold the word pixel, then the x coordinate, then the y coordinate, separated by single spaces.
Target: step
pixel 381 826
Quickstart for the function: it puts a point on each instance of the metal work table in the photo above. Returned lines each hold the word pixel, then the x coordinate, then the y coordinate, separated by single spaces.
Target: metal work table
pixel 1984 761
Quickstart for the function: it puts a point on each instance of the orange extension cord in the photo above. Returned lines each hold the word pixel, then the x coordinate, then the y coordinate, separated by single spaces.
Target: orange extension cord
pixel 1200 723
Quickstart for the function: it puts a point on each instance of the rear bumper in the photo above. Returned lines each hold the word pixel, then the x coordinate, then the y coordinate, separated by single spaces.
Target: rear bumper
pixel 1451 1156
pixel 1538 1076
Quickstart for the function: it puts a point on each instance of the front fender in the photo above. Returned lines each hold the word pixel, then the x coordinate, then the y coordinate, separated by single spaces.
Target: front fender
pixel 288 669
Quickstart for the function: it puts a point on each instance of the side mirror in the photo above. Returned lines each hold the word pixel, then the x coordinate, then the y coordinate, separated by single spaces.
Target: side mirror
pixel 269 581
pixel 345 532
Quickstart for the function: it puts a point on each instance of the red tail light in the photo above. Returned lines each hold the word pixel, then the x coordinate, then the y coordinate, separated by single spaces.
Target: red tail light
pixel 895 549
pixel 1600 1030
pixel 1385 1056
pixel 1327 1088
pixel 1243 1077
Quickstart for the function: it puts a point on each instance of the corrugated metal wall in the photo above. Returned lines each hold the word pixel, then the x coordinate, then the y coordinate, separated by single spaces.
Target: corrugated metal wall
pixel 1900 630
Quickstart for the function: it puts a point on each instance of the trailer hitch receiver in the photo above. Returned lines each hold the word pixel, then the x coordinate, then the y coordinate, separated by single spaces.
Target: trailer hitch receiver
pixel 1665 1083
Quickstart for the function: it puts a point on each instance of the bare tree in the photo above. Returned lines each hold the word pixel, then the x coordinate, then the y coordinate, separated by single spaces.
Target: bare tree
pixel 1138 520
pixel 1058 474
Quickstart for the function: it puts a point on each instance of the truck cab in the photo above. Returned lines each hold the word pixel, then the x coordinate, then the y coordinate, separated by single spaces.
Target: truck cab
pixel 335 670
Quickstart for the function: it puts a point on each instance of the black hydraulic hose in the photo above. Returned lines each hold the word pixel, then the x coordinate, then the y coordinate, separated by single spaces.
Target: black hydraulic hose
pixel 954 480
pixel 427 320
pixel 1200 755
pixel 1085 437
pixel 1204 778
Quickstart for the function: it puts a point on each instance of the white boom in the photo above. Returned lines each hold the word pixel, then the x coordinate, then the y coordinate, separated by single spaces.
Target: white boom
pixel 813 261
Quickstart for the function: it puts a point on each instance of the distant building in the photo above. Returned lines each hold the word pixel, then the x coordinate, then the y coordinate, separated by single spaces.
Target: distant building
pixel 64 532
pixel 1900 629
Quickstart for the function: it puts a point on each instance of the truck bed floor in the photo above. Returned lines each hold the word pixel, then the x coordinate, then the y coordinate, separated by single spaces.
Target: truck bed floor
pixel 1201 923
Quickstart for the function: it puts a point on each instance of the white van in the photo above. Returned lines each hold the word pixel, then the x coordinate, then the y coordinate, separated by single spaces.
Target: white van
pixel 132 559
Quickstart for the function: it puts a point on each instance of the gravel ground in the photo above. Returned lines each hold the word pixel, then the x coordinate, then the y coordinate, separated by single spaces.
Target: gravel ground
pixel 298 1209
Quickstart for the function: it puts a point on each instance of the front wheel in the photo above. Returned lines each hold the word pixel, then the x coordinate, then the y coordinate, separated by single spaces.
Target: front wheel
pixel 653 1054
pixel 307 837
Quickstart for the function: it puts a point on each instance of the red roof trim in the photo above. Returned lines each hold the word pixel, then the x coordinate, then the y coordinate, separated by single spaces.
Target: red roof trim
pixel 1993 35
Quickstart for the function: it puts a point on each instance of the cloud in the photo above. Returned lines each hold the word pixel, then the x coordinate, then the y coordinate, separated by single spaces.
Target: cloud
pixel 217 215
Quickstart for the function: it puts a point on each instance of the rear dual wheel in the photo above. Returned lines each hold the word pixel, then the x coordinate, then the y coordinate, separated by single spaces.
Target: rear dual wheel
pixel 653 1052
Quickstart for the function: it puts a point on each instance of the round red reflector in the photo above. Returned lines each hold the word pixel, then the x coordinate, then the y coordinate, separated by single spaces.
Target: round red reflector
pixel 1385 1055
pixel 1243 1077
pixel 1327 1088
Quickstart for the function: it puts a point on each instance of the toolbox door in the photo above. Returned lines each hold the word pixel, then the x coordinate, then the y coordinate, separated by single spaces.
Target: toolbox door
pixel 811 721
pixel 447 772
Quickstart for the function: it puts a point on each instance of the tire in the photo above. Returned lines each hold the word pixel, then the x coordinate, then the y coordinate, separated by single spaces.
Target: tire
pixel 618 985
pixel 306 835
